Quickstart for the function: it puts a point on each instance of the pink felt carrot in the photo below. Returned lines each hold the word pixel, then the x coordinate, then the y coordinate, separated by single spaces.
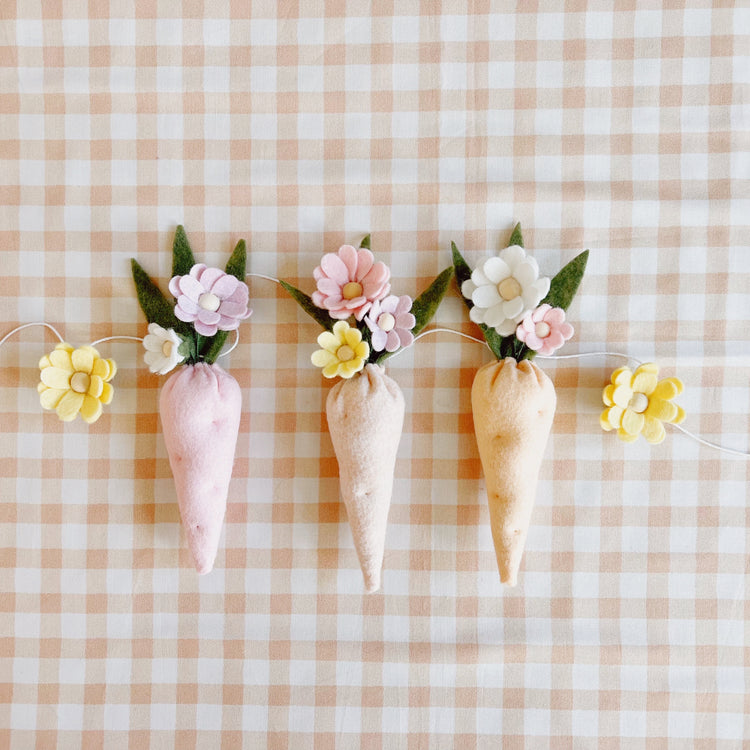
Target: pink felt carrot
pixel 365 419
pixel 200 415
pixel 366 409
pixel 200 404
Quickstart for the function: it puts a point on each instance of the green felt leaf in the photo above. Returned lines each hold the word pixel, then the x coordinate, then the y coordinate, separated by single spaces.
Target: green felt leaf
pixel 426 304
pixel 213 345
pixel 564 286
pixel 155 306
pixel 365 242
pixel 182 255
pixel 305 302
pixel 516 237
pixel 423 308
pixel 236 265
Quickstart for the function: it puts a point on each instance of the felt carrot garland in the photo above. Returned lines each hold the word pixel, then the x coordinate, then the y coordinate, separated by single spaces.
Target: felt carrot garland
pixel 512 400
pixel 199 404
pixel 364 325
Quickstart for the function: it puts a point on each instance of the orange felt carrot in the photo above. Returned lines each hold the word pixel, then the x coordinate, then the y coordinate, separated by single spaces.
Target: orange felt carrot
pixel 513 402
pixel 513 405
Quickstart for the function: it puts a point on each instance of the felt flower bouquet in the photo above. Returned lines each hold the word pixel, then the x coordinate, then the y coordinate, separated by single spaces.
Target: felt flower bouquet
pixel 199 404
pixel 513 402
pixel 364 324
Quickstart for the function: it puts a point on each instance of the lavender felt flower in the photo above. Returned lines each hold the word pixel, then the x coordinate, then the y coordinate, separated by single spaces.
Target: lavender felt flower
pixel 210 299
pixel 390 322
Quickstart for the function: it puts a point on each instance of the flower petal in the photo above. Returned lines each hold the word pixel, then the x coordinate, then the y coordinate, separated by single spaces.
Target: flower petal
pixel 350 368
pixel 467 289
pixel 405 336
pixel 335 268
pixel 632 422
pixel 328 287
pixel 91 409
pixel 406 321
pixel 607 395
pixel 190 287
pixel 526 273
pixel 479 278
pixel 348 255
pixel 44 362
pixel 653 430
pixel 323 358
pixel 514 308
pixel 332 370
pixel 644 382
pixel 54 377
pixel 392 341
pixel 365 261
pixel 329 341
pixel 604 421
pixel 668 388
pixel 96 385
pixel 513 256
pixel 555 340
pixel 50 397
pixel 107 392
pixel 626 437
pixel 615 415
pixel 379 339
pixel 60 358
pixel 662 410
pixel 495 269
pixel 112 365
pixel 225 286
pixel 680 416
pixel 476 315
pixel 83 359
pixel 622 376
pixel 69 405
pixel 494 316
pixel 362 350
pixel 205 329
pixel 353 336
pixel 485 296
pixel 621 395
pixel 506 327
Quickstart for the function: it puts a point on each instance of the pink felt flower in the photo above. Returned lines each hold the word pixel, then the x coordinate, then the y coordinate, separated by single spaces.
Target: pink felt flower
pixel 349 282
pixel 210 299
pixel 544 330
pixel 391 322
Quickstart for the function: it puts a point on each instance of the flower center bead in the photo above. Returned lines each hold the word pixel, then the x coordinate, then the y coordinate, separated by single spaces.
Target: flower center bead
pixel 542 329
pixel 345 353
pixel 638 403
pixel 79 382
pixel 209 301
pixel 386 322
pixel 352 290
pixel 166 348
pixel 509 288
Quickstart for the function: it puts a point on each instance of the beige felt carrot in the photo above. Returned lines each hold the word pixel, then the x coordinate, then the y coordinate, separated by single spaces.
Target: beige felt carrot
pixel 200 404
pixel 513 401
pixel 365 411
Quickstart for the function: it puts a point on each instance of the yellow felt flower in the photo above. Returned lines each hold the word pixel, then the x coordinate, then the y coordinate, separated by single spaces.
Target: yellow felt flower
pixel 75 380
pixel 639 403
pixel 343 352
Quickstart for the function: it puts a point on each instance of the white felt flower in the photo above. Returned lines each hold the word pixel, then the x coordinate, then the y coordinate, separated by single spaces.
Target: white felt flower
pixel 504 288
pixel 162 349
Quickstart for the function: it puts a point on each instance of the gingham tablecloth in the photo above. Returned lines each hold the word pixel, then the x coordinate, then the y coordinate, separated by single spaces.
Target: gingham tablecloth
pixel 301 127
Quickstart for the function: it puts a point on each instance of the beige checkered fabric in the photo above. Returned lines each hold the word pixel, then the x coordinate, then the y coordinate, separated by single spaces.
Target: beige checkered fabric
pixel 300 126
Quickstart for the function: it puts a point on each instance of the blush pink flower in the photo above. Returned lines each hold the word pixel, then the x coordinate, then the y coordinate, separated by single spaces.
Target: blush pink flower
pixel 391 322
pixel 210 299
pixel 544 330
pixel 349 282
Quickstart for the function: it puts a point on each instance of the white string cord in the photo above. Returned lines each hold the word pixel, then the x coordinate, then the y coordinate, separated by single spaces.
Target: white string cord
pixel 263 276
pixel 584 355
pixel 116 338
pixel 30 325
